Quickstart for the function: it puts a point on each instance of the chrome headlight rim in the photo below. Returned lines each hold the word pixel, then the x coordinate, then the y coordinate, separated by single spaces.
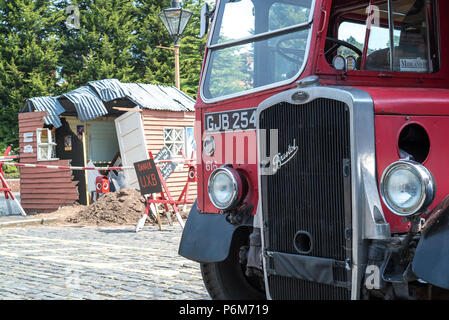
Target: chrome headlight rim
pixel 235 188
pixel 427 183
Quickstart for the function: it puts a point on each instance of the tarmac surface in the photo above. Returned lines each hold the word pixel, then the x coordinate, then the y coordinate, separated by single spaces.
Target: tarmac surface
pixel 65 262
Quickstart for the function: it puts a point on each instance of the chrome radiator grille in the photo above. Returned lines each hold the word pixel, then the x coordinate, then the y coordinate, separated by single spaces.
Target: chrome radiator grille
pixel 309 193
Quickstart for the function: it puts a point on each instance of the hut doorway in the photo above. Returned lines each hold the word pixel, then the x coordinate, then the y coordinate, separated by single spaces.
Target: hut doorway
pixel 69 146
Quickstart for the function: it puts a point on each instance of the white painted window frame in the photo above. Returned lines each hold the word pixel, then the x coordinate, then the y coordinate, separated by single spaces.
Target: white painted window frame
pixel 50 144
pixel 173 140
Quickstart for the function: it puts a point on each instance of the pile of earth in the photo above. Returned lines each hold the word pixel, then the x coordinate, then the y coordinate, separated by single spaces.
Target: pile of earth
pixel 124 207
pixel 121 207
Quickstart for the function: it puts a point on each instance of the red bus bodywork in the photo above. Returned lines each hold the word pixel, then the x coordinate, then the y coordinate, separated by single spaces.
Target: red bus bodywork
pixel 236 250
pixel 399 99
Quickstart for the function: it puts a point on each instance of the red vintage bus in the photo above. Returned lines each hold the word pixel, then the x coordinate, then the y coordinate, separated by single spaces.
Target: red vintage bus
pixel 321 129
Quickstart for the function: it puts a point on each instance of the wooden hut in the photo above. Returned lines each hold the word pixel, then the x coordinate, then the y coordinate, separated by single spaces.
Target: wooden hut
pixel 99 123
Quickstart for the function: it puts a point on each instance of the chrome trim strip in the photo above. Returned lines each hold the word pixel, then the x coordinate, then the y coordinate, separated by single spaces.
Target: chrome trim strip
pixel 258 89
pixel 368 220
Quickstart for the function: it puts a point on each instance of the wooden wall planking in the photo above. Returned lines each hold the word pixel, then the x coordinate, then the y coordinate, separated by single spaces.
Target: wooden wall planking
pixel 42 190
pixel 154 123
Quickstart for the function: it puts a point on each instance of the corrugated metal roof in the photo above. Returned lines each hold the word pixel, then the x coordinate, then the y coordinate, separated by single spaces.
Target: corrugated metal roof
pixel 136 94
pixel 109 89
pixel 88 105
pixel 147 96
pixel 166 98
pixel 88 100
pixel 52 106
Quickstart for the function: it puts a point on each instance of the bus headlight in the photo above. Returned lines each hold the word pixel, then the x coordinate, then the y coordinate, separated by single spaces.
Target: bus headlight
pixel 224 188
pixel 407 188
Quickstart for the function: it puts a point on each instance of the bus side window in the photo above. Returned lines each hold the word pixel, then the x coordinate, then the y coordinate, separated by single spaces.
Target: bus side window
pixel 410 46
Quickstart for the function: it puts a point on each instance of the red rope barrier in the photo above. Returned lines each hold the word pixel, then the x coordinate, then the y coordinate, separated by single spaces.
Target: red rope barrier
pixel 30 165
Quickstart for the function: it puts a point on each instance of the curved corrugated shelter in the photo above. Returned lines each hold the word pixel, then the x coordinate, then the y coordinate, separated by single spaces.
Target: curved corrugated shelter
pixel 90 100
pixel 109 89
pixel 166 98
pixel 87 104
pixel 51 106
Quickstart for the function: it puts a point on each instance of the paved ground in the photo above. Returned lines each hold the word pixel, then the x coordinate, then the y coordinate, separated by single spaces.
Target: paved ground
pixel 47 262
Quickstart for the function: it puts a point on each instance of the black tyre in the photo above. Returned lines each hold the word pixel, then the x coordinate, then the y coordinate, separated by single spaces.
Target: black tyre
pixel 226 280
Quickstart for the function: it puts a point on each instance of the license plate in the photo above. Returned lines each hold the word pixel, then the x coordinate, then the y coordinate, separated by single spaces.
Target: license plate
pixel 234 120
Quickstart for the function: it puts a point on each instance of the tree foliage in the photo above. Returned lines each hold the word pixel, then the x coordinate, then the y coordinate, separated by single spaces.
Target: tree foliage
pixel 101 47
pixel 29 56
pixel 40 55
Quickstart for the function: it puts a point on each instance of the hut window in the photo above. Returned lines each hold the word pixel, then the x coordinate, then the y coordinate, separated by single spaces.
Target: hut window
pixel 174 140
pixel 46 146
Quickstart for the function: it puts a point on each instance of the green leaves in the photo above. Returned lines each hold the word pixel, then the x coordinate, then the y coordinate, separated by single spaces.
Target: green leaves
pixel 40 55
pixel 28 59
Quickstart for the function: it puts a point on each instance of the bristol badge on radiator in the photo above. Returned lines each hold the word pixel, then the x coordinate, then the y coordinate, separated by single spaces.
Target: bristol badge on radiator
pixel 234 120
pixel 281 159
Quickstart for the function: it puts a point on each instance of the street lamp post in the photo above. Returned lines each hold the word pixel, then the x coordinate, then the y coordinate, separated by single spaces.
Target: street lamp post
pixel 175 20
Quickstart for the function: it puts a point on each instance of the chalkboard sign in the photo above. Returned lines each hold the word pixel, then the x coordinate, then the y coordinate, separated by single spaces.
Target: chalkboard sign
pixel 148 177
pixel 166 168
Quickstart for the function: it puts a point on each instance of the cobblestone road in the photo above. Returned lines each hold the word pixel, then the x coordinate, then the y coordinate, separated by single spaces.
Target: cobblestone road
pixel 96 263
